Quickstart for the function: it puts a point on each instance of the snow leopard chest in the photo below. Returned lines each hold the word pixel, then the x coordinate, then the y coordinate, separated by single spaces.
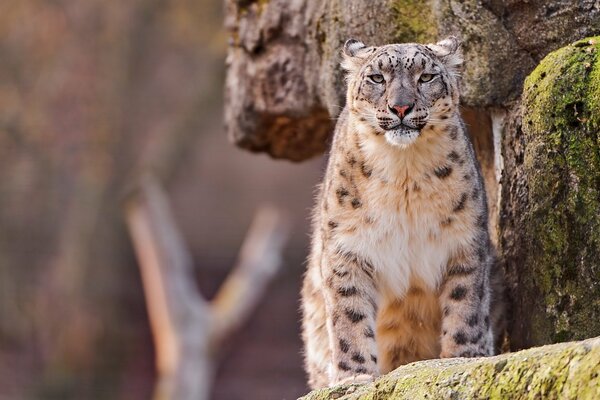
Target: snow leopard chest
pixel 408 231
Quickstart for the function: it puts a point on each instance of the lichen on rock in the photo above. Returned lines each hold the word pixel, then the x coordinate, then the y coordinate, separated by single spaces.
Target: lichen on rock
pixel 414 21
pixel 553 260
pixel 562 371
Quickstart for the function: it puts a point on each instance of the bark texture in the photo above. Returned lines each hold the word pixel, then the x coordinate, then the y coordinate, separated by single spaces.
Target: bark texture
pixel 563 371
pixel 550 215
pixel 284 86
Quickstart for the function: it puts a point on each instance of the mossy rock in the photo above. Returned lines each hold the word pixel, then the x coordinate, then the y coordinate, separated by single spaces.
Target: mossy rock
pixel 554 261
pixel 414 21
pixel 562 371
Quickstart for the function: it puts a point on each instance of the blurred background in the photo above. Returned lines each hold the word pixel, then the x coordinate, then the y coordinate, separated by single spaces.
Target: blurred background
pixel 91 93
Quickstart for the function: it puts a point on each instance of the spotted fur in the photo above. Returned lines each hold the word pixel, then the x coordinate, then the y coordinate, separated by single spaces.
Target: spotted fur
pixel 401 266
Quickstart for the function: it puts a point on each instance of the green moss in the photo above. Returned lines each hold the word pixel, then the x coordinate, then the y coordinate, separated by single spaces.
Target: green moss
pixel 561 120
pixel 566 371
pixel 414 21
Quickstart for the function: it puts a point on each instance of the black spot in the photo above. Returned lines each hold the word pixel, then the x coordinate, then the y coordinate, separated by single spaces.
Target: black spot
pixel 467 177
pixel 461 203
pixel 446 311
pixel 343 366
pixel 356 203
pixel 369 332
pixel 444 332
pixel 341 193
pixel 475 194
pixel 332 224
pixel 442 172
pixel 366 170
pixel 460 269
pixel 453 156
pixel 373 358
pixel 477 338
pixel 460 338
pixel 453 133
pixel 351 160
pixel 361 370
pixel 472 320
pixel 354 315
pixel 458 293
pixel 346 292
pixel 344 346
pixel 358 358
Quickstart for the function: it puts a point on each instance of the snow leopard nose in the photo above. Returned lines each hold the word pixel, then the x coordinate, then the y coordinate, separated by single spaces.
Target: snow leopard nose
pixel 401 110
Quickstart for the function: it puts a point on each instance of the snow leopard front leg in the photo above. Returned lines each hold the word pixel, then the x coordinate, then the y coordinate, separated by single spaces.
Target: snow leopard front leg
pixel 465 300
pixel 350 301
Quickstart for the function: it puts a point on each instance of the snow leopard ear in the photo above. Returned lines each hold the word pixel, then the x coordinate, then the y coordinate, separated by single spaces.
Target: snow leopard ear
pixel 449 51
pixel 355 53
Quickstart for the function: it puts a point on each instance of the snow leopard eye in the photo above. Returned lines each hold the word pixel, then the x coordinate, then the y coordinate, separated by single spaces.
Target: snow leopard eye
pixel 377 78
pixel 426 77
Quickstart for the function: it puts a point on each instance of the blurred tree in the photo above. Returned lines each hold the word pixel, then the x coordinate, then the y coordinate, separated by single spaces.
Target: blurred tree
pixel 90 93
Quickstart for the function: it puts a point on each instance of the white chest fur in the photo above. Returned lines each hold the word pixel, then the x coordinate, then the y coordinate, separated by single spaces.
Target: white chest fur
pixel 401 246
pixel 401 230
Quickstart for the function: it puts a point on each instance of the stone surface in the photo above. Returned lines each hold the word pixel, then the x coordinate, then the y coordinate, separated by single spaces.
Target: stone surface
pixel 550 209
pixel 562 371
pixel 284 86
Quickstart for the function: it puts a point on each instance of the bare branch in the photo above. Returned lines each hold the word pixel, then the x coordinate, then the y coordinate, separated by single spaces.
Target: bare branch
pixel 187 330
pixel 258 262
pixel 178 315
